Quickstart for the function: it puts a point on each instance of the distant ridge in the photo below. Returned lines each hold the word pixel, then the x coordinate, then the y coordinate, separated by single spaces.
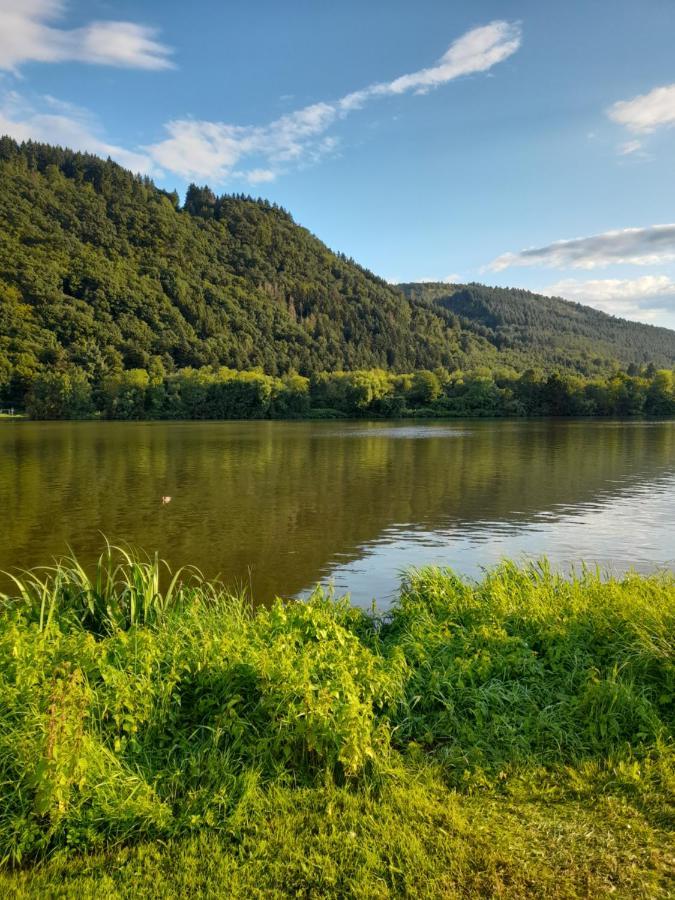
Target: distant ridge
pixel 515 319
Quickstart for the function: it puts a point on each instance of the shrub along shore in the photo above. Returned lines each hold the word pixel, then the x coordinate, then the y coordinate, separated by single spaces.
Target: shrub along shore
pixel 160 737
pixel 221 393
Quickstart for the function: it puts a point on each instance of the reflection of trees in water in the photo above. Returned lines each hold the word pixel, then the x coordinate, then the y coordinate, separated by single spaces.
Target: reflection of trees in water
pixel 282 499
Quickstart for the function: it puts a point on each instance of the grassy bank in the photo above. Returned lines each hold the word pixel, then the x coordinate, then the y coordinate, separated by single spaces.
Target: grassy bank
pixel 513 737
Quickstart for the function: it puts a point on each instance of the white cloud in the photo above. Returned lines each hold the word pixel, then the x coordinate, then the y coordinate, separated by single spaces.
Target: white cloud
pixel 476 51
pixel 635 246
pixel 66 125
pixel 259 176
pixel 27 36
pixel 211 150
pixel 198 149
pixel 202 149
pixel 630 147
pixel 649 297
pixel 646 112
pixel 449 279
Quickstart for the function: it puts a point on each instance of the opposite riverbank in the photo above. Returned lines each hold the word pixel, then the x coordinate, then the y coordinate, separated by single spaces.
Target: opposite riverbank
pixel 221 393
pixel 510 737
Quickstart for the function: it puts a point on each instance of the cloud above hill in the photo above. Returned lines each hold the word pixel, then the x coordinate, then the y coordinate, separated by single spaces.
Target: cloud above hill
pixel 647 298
pixel 196 149
pixel 635 246
pixel 216 150
pixel 67 125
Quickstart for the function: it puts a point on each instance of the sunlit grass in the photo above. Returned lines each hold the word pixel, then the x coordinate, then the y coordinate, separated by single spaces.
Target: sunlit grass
pixel 509 736
pixel 122 590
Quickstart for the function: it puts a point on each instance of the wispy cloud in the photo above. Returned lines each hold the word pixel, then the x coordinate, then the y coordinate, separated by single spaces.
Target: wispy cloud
pixel 647 298
pixel 259 176
pixel 198 149
pixel 56 122
pixel 449 279
pixel 630 147
pixel 476 51
pixel 28 34
pixel 213 150
pixel 646 112
pixel 635 246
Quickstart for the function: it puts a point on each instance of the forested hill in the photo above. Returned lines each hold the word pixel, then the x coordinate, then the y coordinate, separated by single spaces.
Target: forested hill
pixel 101 271
pixel 552 331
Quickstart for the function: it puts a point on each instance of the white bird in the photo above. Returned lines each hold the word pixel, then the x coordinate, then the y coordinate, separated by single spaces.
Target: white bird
pixel 166 500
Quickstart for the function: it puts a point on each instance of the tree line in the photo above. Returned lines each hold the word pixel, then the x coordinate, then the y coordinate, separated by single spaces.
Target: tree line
pixel 223 393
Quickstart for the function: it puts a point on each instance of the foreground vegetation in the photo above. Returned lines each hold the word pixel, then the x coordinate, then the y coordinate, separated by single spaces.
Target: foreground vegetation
pixel 102 273
pixel 161 737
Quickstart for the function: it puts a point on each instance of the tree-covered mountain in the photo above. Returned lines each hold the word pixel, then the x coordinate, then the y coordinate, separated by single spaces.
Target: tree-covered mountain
pixel 553 332
pixel 101 272
pixel 101 269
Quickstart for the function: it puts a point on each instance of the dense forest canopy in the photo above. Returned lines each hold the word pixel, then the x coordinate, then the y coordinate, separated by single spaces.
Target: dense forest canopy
pixel 106 280
pixel 548 328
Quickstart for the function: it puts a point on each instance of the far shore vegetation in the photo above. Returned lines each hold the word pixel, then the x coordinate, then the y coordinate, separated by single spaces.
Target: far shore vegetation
pixel 509 737
pixel 221 393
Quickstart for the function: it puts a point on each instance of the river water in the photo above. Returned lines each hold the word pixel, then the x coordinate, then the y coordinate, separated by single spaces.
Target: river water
pixel 279 506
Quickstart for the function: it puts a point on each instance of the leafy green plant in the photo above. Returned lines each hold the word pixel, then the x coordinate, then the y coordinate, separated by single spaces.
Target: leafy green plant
pixel 136 703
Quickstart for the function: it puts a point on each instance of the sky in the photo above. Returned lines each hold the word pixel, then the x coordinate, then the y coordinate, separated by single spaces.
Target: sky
pixel 525 144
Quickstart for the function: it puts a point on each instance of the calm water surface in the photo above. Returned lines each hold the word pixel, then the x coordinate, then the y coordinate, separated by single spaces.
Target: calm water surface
pixel 279 506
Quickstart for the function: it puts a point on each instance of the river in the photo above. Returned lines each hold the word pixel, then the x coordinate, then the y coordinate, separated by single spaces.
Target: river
pixel 279 506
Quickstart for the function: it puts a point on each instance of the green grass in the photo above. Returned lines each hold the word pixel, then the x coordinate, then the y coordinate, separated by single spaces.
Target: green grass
pixel 159 737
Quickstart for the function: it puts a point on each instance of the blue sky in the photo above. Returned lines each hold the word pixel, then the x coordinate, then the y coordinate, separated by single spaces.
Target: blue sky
pixel 515 143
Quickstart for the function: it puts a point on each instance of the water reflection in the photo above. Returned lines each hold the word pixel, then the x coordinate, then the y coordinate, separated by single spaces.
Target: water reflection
pixel 590 533
pixel 278 506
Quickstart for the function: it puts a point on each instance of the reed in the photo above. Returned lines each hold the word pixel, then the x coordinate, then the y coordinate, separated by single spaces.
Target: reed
pixel 121 590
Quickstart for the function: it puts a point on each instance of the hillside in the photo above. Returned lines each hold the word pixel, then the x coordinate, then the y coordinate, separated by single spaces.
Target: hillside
pixel 101 271
pixel 552 331
pixel 101 268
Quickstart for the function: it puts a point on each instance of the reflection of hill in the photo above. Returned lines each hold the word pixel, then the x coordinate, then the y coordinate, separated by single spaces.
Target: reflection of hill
pixel 282 499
